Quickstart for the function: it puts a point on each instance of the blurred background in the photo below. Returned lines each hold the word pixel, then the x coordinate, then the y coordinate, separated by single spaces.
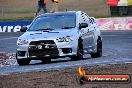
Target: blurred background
pixel 96 8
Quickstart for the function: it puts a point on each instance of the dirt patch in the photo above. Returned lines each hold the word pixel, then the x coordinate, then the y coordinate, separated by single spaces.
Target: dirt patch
pixel 67 78
pixel 27 8
pixel 7 59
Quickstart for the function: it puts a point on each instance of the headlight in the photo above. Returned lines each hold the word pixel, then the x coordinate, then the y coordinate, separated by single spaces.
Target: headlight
pixel 21 42
pixel 65 39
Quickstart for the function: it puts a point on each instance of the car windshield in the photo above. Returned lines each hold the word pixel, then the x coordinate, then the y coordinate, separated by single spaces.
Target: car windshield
pixel 54 22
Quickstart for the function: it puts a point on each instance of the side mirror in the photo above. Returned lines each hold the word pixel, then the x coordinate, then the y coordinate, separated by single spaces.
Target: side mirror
pixel 83 25
pixel 23 29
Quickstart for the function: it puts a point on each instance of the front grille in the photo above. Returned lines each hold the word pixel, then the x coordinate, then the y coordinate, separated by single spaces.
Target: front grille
pixel 43 48
pixel 44 53
pixel 42 42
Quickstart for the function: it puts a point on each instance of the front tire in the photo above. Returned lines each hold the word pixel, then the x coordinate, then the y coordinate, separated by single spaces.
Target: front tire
pixel 99 49
pixel 79 51
pixel 46 60
pixel 23 61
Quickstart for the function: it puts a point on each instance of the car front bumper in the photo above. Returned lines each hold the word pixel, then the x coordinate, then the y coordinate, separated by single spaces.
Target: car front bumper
pixel 46 49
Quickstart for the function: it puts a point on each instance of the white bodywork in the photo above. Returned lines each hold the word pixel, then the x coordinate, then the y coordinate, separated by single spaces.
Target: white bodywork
pixel 89 35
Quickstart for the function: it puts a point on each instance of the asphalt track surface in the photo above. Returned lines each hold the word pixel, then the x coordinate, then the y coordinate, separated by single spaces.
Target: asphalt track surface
pixel 117 49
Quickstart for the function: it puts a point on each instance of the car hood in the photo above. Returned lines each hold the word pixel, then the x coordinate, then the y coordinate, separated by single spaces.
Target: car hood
pixel 49 35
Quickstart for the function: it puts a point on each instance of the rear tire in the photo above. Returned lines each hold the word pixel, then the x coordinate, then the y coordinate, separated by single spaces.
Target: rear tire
pixel 99 49
pixel 79 51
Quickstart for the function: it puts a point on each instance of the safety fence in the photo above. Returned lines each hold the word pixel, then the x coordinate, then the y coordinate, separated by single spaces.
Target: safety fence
pixel 124 23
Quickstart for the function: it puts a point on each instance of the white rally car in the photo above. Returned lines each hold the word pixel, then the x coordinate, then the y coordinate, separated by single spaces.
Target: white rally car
pixel 61 34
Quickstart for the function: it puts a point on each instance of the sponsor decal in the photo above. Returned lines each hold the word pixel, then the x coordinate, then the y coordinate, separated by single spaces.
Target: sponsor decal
pixel 102 78
pixel 124 23
pixel 13 26
pixel 10 28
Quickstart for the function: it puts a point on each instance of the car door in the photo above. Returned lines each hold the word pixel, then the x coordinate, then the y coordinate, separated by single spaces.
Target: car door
pixel 86 35
pixel 89 41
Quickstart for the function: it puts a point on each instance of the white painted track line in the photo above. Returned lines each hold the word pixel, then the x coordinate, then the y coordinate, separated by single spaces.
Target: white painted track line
pixel 8 38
